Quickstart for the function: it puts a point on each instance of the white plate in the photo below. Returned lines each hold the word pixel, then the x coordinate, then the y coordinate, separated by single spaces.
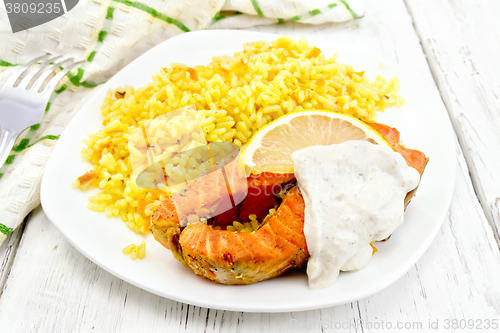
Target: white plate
pixel 422 121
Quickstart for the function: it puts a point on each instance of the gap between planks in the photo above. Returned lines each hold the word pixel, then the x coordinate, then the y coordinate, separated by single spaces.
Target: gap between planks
pixel 11 245
pixel 462 141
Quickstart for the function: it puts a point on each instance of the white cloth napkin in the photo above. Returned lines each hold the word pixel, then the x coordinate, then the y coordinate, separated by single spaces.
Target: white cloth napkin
pixel 108 34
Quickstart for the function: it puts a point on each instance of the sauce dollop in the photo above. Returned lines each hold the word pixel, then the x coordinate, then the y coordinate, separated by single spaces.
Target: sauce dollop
pixel 354 194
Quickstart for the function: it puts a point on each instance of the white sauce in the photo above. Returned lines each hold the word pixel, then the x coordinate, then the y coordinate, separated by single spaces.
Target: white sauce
pixel 354 194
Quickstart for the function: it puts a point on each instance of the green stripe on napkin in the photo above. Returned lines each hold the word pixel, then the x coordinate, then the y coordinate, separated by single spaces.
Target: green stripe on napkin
pixel 354 15
pixel 46 137
pixel 109 15
pixel 24 142
pixel 4 63
pixel 5 230
pixel 153 12
pixel 24 145
pixel 313 12
pixel 257 8
pixel 91 56
pixel 218 17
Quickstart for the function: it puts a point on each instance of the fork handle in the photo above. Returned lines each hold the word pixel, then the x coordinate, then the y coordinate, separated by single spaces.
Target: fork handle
pixel 7 139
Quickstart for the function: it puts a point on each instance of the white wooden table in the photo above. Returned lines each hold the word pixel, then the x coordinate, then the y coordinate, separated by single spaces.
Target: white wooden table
pixel 48 286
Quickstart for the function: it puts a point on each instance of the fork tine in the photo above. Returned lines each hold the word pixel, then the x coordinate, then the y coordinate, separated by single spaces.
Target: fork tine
pixel 41 79
pixel 13 78
pixel 53 82
pixel 33 73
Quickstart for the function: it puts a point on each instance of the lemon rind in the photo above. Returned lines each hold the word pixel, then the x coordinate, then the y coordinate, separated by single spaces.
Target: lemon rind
pixel 246 156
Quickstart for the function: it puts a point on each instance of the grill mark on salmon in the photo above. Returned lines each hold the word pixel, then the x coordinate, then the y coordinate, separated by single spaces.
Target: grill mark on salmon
pixel 214 242
pixel 281 229
pixel 244 251
pixel 291 233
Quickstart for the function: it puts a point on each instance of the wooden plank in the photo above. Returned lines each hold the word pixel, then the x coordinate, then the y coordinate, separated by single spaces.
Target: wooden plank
pixel 461 42
pixel 8 251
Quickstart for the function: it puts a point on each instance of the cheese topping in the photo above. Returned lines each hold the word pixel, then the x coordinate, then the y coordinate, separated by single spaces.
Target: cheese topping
pixel 354 194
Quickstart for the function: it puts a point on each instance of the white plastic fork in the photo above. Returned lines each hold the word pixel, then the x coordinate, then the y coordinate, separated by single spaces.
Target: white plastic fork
pixel 25 95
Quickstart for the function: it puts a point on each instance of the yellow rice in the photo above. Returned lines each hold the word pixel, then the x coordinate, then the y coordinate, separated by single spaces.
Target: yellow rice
pixel 135 251
pixel 235 95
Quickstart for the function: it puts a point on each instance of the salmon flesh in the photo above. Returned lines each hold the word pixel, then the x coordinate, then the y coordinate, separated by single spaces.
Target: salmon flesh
pixel 237 258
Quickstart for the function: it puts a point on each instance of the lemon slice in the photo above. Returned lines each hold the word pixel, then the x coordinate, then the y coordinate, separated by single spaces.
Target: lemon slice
pixel 270 148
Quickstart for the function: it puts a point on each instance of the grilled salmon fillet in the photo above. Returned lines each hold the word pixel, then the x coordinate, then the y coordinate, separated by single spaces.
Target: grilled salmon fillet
pixel 242 258
pixel 247 257
pixel 211 195
pixel 414 158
